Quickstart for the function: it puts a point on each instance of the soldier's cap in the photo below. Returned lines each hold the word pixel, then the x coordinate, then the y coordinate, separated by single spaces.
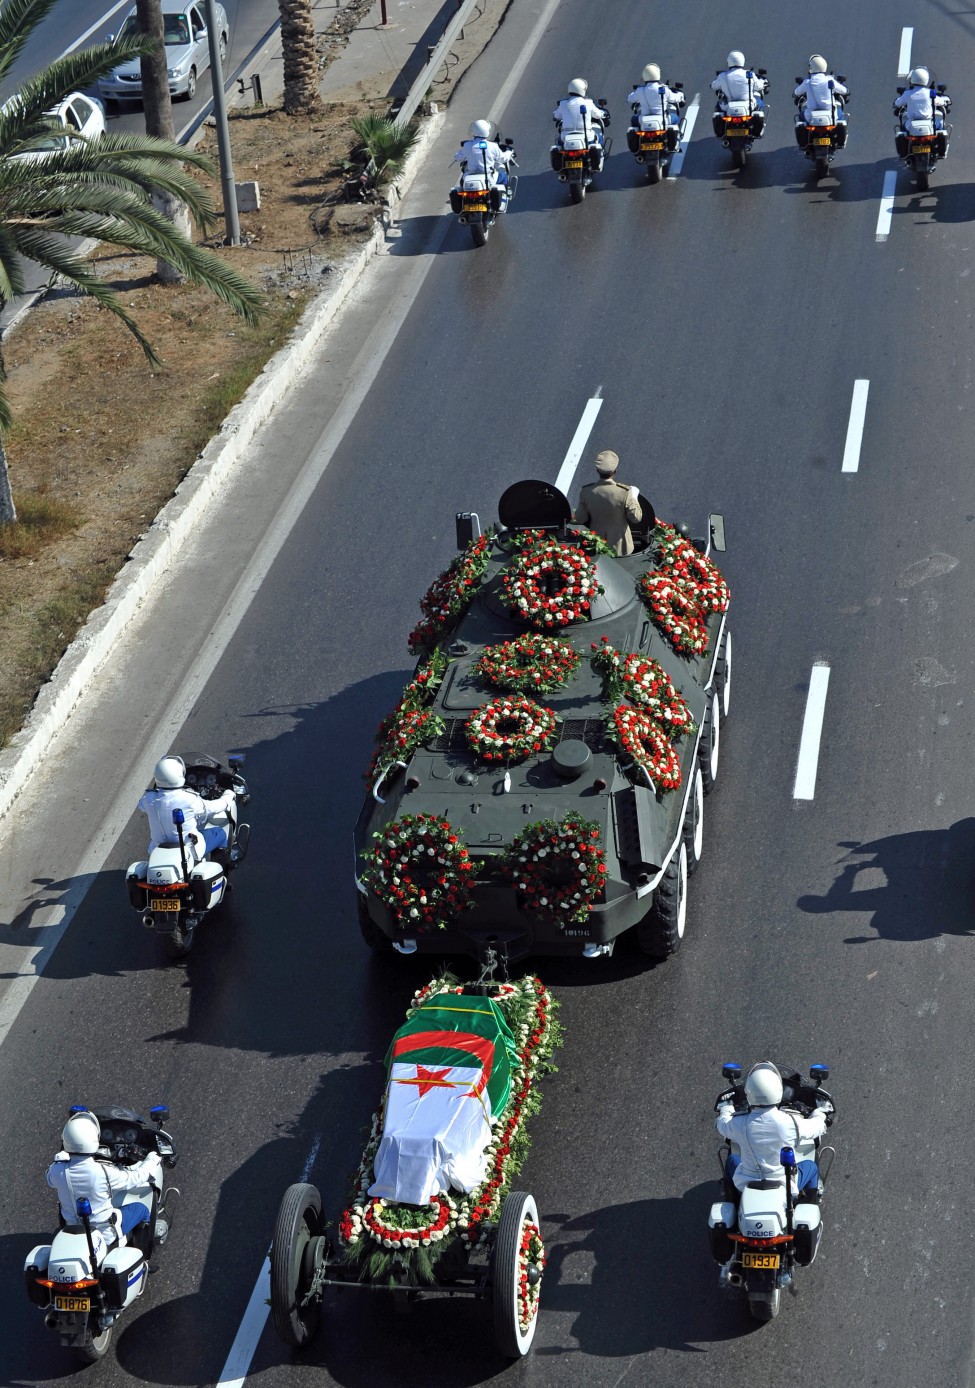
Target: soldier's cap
pixel 607 462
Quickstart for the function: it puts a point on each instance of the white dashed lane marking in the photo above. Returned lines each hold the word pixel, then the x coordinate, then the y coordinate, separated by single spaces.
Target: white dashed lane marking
pixel 677 163
pixel 886 205
pixel 579 440
pixel 812 730
pixel 854 431
pixel 904 57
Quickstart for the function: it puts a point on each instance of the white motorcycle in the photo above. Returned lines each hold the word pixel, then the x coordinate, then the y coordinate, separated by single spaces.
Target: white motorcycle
pixel 654 140
pixel 81 1279
pixel 761 1234
pixel 578 155
pixel 179 883
pixel 478 198
pixel 922 143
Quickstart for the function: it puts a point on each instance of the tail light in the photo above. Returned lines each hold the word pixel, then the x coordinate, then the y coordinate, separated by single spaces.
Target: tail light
pixel 78 1286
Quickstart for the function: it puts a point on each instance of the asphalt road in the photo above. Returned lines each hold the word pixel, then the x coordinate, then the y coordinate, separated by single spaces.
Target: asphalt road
pixel 725 317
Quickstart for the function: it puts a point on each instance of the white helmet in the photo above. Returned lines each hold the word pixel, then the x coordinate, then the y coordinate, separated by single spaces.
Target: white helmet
pixel 736 58
pixel 82 1133
pixel 481 129
pixel 578 86
pixel 817 63
pixel 651 73
pixel 920 77
pixel 170 772
pixel 763 1085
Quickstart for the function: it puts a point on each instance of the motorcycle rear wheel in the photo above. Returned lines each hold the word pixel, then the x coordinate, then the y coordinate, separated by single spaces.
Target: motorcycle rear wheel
pixel 177 942
pixel 739 158
pixel 95 1346
pixel 765 1306
pixel 479 234
pixel 577 191
pixel 923 180
pixel 655 172
pixel 822 167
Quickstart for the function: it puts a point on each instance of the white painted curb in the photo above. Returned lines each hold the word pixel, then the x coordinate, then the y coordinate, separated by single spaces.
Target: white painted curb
pixel 153 553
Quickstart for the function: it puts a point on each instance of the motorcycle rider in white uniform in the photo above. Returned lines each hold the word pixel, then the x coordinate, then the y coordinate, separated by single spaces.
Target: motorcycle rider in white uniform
pixel 76 1175
pixel 168 793
pixel 738 83
pixel 574 115
pixel 762 1132
pixel 921 101
pixel 656 101
pixel 821 91
pixel 482 155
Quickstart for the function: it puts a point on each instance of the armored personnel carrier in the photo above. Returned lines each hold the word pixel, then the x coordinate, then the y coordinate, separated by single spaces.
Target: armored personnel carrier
pixel 540 787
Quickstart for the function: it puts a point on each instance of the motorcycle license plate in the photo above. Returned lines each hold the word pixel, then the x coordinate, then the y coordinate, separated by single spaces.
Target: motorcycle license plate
pixel 822 140
pixel 652 144
pixel 475 207
pixel 766 1261
pixel 165 903
pixel 572 163
pixel 921 146
pixel 72 1303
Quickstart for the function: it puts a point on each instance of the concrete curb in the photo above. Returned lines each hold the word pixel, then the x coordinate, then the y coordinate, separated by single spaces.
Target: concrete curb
pixel 154 551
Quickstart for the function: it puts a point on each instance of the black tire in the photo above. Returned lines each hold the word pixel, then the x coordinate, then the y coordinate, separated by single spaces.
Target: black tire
pixel 178 942
pixel 370 931
pixel 765 1306
pixel 577 191
pixel 709 747
pixel 661 931
pixel 822 167
pixel 655 172
pixel 694 824
pixel 510 1339
pixel 190 92
pixel 479 234
pixel 739 158
pixel 722 679
pixel 299 1222
pixel 95 1346
pixel 923 180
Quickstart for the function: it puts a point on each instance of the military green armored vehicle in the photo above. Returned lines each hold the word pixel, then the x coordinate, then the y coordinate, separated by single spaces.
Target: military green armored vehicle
pixel 540 788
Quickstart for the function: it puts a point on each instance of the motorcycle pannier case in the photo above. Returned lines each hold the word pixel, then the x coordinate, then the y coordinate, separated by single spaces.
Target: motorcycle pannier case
pixel 497 197
pixel 206 879
pixel 802 134
pixel 807 1231
pixel 720 1223
pixel 841 134
pixel 900 140
pixel 35 1267
pixel 633 141
pixel 122 1276
pixel 456 202
pixel 556 157
pixel 717 121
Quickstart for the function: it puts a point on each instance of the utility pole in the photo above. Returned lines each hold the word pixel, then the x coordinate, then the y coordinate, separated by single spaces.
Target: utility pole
pixel 223 129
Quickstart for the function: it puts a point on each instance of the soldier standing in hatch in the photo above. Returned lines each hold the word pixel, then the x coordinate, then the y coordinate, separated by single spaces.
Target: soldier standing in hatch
pixel 607 507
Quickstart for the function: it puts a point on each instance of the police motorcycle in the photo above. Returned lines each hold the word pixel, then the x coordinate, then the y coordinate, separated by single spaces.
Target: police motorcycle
pixel 760 1235
pixel 478 199
pixel 654 140
pixel 577 156
pixel 83 1279
pixel 820 134
pixel 921 143
pixel 738 124
pixel 180 883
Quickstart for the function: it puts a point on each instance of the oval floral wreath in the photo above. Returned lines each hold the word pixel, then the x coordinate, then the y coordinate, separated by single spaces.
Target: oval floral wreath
pixel 645 741
pixel 688 565
pixel 558 868
pixel 531 662
pixel 420 870
pixel 675 611
pixel 644 682
pixel 403 733
pixel 550 584
pixel 450 594
pixel 510 730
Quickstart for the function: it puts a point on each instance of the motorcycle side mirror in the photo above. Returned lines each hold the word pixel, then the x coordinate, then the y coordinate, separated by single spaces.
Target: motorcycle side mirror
pixel 731 1071
pixel 942 88
pixel 900 91
pixel 819 1073
pixel 798 80
pixel 601 101
pixel 762 71
pixel 235 759
pixel 841 78
pixel 678 86
pixel 716 524
pixel 159 1114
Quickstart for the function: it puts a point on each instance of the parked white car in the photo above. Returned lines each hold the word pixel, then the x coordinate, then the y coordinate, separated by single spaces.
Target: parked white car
pixel 83 114
pixel 187 52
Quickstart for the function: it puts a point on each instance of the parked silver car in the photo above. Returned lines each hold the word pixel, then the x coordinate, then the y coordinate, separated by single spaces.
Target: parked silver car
pixel 187 52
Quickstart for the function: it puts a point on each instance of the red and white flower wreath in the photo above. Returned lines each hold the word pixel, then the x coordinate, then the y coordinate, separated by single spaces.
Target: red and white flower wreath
pixel 557 867
pixel 550 584
pixel 529 662
pixel 450 594
pixel 642 739
pixel 677 612
pixel 635 679
pixel 420 870
pixel 510 729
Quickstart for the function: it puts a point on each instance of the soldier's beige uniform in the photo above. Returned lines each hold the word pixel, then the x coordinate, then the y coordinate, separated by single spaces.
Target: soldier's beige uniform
pixel 607 508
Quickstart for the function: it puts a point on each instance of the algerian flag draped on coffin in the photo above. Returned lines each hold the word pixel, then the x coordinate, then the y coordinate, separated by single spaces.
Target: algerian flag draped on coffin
pixel 449 1073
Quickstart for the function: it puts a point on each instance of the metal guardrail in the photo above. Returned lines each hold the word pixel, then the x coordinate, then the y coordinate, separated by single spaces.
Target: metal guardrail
pixel 419 88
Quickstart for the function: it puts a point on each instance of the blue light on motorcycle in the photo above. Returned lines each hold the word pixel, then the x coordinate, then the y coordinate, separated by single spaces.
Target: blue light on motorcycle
pixel 178 817
pixel 83 1207
pixel 158 1112
pixel 78 1108
pixel 787 1157
pixel 819 1073
pixel 482 144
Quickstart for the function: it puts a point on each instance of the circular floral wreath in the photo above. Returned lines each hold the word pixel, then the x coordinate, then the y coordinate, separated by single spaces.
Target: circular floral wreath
pixel 550 584
pixel 531 1254
pixel 420 870
pixel 646 742
pixel 557 868
pixel 676 611
pixel 450 594
pixel 403 733
pixel 691 568
pixel 530 662
pixel 634 678
pixel 509 729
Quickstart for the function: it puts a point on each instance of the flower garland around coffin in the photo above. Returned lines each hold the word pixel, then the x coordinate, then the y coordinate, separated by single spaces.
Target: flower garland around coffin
pixel 450 1136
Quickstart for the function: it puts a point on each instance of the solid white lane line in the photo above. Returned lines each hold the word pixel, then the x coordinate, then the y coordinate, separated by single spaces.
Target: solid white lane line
pixel 904 57
pixel 524 58
pixel 854 430
pixel 677 163
pixel 886 215
pixel 579 440
pixel 812 728
pixel 255 1317
pixel 96 26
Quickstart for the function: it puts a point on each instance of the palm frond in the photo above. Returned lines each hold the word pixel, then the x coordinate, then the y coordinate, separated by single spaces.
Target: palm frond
pixel 386 144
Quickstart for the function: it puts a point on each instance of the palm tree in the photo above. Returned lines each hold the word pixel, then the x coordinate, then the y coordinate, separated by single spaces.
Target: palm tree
pixel 387 146
pixel 100 190
pixel 300 54
pixel 158 108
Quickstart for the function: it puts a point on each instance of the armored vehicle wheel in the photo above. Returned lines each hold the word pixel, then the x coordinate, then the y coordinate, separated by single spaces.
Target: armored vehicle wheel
pixel 655 172
pixel 694 823
pixel 508 1262
pixel 710 744
pixel 177 942
pixel 371 933
pixel 577 191
pixel 723 678
pixel 479 234
pixel 661 931
pixel 96 1344
pixel 293 1249
pixel 765 1305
